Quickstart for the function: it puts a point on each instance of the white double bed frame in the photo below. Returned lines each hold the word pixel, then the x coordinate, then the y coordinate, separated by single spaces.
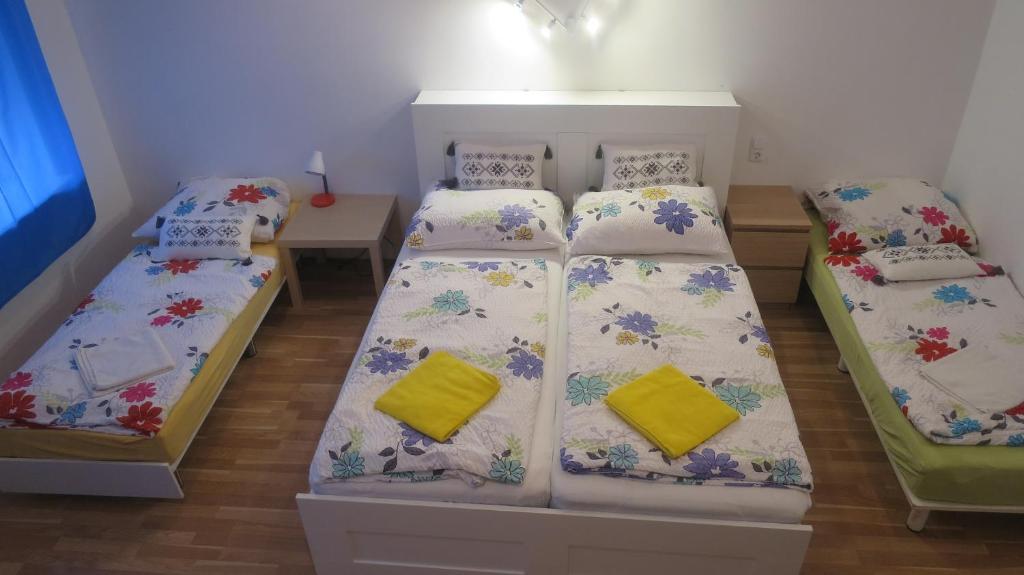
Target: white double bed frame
pixel 372 536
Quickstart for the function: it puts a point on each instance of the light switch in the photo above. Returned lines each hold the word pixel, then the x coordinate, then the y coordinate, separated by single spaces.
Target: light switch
pixel 757 149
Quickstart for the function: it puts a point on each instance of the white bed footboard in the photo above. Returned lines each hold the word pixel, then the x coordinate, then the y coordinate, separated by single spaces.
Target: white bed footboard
pixel 356 535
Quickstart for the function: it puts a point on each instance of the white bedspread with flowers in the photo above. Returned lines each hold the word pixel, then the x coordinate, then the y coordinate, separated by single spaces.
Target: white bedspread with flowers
pixel 905 325
pixel 490 313
pixel 190 304
pixel 628 316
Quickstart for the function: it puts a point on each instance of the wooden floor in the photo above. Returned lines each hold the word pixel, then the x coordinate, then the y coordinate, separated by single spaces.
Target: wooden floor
pixel 253 452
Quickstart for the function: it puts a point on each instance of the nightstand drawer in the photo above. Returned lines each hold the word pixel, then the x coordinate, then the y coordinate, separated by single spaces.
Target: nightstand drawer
pixel 770 249
pixel 774 285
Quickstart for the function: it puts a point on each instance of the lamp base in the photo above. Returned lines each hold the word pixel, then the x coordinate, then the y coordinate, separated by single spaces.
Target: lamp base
pixel 322 200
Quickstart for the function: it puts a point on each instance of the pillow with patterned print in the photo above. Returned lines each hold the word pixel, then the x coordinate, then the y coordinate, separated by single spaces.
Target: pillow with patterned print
pixel 268 198
pixel 865 214
pixel 642 167
pixel 487 219
pixel 483 167
pixel 656 220
pixel 910 263
pixel 205 237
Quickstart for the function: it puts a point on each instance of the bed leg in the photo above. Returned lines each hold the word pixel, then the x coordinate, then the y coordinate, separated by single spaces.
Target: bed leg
pixel 916 519
pixel 842 365
pixel 250 350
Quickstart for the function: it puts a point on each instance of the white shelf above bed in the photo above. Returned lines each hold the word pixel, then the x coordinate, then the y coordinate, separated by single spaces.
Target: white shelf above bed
pixel 574 98
pixel 573 124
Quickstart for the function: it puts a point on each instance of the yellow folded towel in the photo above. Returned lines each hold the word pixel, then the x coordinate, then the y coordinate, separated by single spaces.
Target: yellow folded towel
pixel 439 396
pixel 671 410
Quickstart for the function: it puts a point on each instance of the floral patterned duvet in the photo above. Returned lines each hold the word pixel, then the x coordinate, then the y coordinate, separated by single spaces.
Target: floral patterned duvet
pixel 190 304
pixel 491 313
pixel 905 325
pixel 628 316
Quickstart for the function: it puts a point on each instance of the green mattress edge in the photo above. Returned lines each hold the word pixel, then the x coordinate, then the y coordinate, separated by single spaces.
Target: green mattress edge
pixel 976 475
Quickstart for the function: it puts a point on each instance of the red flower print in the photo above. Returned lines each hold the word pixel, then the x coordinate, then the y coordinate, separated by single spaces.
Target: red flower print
pixel 939 333
pixel 181 266
pixel 85 302
pixel 866 273
pixel 265 275
pixel 931 350
pixel 161 320
pixel 833 225
pixel 844 260
pixel 139 392
pixel 1019 410
pixel 955 235
pixel 906 411
pixel 988 269
pixel 17 381
pixel 246 193
pixel 933 216
pixel 142 418
pixel 185 307
pixel 17 406
pixel 845 243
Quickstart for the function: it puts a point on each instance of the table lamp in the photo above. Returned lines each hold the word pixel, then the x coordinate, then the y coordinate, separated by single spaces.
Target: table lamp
pixel 316 167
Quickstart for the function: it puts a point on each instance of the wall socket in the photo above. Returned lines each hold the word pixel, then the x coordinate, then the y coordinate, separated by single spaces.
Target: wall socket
pixel 757 149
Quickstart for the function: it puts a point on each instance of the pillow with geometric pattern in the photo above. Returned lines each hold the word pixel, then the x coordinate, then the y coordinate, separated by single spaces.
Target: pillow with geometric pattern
pixel 482 167
pixel 644 167
pixel 205 237
pixel 912 263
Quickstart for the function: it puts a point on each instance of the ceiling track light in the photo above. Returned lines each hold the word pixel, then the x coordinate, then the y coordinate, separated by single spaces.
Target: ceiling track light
pixel 581 17
pixel 546 30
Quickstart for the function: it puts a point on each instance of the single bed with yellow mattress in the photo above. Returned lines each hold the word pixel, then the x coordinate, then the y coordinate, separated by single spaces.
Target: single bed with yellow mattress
pixel 31 457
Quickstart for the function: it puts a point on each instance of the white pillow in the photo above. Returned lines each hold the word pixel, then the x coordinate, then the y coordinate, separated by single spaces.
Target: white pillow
pixel 481 167
pixel 268 198
pixel 205 237
pixel 639 167
pixel 496 219
pixel 656 220
pixel 867 214
pixel 943 261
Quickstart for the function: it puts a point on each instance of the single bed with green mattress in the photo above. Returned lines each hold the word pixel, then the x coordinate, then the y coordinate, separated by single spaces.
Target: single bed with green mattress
pixel 933 476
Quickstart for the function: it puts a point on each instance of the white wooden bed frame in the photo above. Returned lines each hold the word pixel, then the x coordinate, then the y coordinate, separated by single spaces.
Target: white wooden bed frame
pixel 109 478
pixel 371 536
pixel 920 508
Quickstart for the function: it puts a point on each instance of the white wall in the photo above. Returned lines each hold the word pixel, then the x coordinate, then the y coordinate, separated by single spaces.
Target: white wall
pixel 30 317
pixel 986 173
pixel 250 87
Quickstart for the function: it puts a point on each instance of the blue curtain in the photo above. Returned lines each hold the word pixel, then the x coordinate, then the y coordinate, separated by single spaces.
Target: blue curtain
pixel 45 206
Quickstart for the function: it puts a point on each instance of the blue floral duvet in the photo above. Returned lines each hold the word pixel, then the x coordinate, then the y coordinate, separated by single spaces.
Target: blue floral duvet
pixel 628 316
pixel 491 314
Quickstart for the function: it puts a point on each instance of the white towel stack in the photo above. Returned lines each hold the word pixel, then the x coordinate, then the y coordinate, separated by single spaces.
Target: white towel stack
pixel 123 361
pixel 979 377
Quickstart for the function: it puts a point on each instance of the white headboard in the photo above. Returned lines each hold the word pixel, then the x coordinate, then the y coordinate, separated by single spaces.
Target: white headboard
pixel 573 124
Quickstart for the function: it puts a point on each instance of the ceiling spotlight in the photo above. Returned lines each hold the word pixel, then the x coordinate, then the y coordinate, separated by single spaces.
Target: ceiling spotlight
pixel 546 30
pixel 593 25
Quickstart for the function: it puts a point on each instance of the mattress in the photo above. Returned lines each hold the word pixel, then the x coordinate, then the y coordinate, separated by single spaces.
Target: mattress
pixel 617 495
pixel 975 475
pixel 535 489
pixel 189 411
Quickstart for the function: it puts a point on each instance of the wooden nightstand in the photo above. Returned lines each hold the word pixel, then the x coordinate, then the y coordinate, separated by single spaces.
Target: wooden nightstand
pixel 354 221
pixel 769 232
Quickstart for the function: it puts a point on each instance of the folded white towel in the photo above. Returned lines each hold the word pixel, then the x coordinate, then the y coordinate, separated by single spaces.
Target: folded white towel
pixel 980 378
pixel 123 361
